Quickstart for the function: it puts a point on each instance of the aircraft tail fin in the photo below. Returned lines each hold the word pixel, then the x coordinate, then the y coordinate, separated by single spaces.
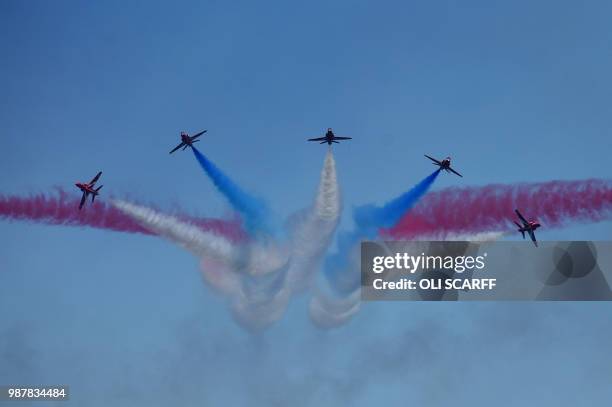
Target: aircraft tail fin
pixel 93 196
pixel 520 229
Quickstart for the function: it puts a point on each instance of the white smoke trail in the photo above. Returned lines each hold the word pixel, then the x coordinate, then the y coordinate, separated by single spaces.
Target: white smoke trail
pixel 313 229
pixel 327 202
pixel 194 239
pixel 256 315
pixel 259 257
pixel 327 311
pixel 221 277
pixel 263 301
pixel 255 257
pixel 262 295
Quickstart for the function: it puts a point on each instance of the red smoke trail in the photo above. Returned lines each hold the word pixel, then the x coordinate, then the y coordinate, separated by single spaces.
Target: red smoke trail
pixel 64 210
pixel 491 208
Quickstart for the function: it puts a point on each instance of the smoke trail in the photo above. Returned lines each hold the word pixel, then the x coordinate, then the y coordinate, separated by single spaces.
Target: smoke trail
pixel 262 294
pixel 476 209
pixel 62 209
pixel 254 282
pixel 191 237
pixel 327 202
pixel 369 220
pixel 328 311
pixel 255 214
pixel 257 258
pixel 313 229
pixel 261 257
pixel 256 302
pixel 262 300
pixel 221 277
pixel 257 314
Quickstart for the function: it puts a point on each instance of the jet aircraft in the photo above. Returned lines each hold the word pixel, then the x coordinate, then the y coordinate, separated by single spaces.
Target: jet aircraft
pixel 329 138
pixel 528 226
pixel 444 164
pixel 187 140
pixel 88 189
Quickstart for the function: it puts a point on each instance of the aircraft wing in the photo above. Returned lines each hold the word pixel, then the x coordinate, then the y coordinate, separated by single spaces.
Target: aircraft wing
pixel 95 179
pixel 83 199
pixel 455 172
pixel 317 139
pixel 521 217
pixel 342 138
pixel 198 135
pixel 176 148
pixel 434 160
pixel 533 238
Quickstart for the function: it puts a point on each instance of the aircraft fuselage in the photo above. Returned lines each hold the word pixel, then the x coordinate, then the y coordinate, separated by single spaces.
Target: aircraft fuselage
pixel 530 226
pixel 86 188
pixel 329 137
pixel 185 138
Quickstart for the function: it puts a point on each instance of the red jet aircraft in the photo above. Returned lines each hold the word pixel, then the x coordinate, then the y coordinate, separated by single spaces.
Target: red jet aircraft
pixel 528 226
pixel 187 140
pixel 88 188
pixel 444 164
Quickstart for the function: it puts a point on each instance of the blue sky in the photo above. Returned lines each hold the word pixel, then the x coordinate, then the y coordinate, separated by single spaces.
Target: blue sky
pixel 515 91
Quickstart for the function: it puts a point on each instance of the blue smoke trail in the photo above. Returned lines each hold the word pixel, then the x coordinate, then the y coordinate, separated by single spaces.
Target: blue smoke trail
pixel 369 219
pixel 368 216
pixel 254 212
